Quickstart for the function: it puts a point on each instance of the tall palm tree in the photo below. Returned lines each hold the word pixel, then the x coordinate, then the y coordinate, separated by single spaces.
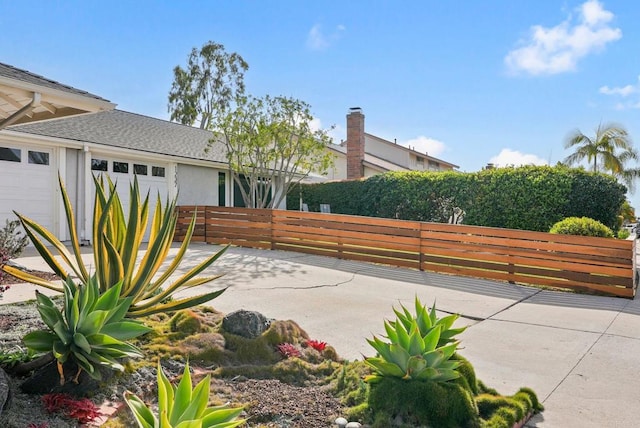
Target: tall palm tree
pixel 609 150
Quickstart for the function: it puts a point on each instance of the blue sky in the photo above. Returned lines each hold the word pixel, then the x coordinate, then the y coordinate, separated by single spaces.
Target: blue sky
pixel 470 82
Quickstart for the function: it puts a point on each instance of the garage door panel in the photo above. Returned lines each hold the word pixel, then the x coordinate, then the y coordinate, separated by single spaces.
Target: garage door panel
pixel 28 188
pixel 150 184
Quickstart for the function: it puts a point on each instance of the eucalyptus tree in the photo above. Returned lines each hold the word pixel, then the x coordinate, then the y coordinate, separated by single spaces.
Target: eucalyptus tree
pixel 209 85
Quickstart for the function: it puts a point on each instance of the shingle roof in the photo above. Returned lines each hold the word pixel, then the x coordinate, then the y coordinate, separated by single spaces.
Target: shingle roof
pixel 117 128
pixel 15 73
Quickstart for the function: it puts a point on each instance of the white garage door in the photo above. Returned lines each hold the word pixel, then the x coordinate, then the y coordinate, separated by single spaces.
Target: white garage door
pixel 27 183
pixel 152 178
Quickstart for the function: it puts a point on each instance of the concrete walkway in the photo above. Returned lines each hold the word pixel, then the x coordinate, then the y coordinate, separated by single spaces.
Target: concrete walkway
pixel 581 354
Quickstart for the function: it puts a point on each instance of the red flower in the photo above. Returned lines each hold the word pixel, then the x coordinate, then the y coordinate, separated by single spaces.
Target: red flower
pixel 288 350
pixel 317 345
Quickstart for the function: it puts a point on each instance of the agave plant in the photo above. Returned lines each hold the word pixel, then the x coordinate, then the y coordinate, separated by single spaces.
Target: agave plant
pixel 410 354
pixel 116 242
pixel 182 407
pixel 91 329
pixel 427 320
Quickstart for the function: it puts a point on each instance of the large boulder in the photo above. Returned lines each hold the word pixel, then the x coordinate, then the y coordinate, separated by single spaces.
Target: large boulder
pixel 248 324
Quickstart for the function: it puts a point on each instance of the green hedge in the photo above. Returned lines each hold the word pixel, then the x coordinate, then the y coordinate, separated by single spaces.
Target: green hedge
pixel 582 226
pixel 529 197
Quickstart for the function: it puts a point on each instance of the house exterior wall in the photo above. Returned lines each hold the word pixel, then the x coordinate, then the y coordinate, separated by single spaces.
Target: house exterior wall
pixel 197 185
pixel 386 151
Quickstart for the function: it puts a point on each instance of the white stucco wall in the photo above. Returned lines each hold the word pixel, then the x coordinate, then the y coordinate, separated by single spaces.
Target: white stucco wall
pixel 197 185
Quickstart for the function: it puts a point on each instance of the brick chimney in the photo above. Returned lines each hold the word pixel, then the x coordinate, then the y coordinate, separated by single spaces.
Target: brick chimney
pixel 355 143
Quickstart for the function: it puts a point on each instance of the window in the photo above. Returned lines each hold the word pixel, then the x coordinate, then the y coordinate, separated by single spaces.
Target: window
pixel 122 167
pixel 420 161
pixel 98 165
pixel 139 169
pixel 157 171
pixel 222 194
pixel 11 155
pixel 39 158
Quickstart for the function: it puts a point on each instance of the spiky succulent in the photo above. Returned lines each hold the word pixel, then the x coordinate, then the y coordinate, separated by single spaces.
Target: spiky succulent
pixel 182 407
pixel 117 239
pixel 410 354
pixel 91 328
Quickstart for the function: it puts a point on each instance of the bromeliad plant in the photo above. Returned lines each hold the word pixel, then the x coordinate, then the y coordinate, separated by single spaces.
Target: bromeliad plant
pixel 116 242
pixel 182 407
pixel 91 329
pixel 420 347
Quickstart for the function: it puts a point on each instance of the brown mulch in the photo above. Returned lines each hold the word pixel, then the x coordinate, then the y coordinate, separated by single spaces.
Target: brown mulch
pixel 276 404
pixel 6 279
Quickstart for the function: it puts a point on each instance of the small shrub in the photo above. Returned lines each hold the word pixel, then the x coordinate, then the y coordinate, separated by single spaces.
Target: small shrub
pixel 623 234
pixel 12 240
pixel 583 226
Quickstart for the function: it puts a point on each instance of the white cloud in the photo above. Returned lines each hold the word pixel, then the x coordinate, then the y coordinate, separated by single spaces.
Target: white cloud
pixel 317 40
pixel 508 157
pixel 623 91
pixel 558 49
pixel 427 145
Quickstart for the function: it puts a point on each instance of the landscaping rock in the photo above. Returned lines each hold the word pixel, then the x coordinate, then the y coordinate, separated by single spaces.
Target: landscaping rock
pixel 4 391
pixel 248 324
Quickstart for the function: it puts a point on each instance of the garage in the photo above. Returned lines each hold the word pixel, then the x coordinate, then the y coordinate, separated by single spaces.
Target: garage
pixel 152 178
pixel 27 183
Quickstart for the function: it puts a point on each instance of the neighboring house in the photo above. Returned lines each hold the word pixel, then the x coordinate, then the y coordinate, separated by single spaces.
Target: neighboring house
pixel 364 155
pixel 168 159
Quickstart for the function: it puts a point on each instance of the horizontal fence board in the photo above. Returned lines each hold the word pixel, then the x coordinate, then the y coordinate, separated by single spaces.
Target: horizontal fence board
pixel 535 258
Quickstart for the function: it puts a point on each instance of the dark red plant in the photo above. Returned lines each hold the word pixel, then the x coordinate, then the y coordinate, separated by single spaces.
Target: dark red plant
pixel 288 350
pixel 83 410
pixel 317 345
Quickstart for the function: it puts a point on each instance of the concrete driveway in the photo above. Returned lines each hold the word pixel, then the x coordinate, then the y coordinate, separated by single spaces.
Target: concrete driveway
pixel 581 354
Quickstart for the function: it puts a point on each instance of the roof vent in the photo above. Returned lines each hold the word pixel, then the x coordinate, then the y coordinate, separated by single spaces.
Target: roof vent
pixel 355 110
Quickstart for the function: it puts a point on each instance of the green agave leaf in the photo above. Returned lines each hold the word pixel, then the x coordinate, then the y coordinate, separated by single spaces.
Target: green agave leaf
pixel 403 335
pixel 189 424
pixel 403 318
pixel 71 224
pixel 222 418
pixel 432 314
pixel 60 350
pixel 109 299
pixel 434 358
pixel 399 356
pixel 81 342
pixel 40 340
pixel 63 332
pixel 125 330
pixel 445 375
pixel 50 316
pixel 141 412
pixel 416 365
pixel 182 396
pixel 416 344
pixel 106 361
pixel 432 338
pixel 385 368
pixel 31 228
pixel 391 332
pixel 199 400
pixel 382 348
pixel 175 305
pixel 165 392
pixel 93 322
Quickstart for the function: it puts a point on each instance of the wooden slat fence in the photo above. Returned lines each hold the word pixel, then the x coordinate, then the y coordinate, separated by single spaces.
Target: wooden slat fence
pixel 523 257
